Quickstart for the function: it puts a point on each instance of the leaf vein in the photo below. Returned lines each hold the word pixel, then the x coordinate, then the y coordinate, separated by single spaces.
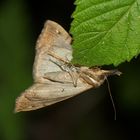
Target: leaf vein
pixel 107 12
pixel 108 30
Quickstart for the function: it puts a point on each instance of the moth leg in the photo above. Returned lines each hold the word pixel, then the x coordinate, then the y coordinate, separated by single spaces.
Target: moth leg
pixel 74 76
pixel 66 66
pixel 71 70
pixel 57 57
pixel 62 66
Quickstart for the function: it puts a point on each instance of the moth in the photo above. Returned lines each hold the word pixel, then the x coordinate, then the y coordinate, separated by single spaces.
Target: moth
pixel 55 78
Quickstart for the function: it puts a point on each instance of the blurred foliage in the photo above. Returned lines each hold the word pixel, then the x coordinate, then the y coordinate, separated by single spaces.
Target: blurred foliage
pixel 87 116
pixel 14 55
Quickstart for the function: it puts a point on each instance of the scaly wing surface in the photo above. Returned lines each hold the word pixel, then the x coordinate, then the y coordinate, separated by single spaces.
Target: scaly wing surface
pixel 53 40
pixel 42 95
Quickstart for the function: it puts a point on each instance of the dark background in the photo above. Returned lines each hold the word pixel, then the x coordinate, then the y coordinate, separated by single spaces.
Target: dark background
pixel 86 116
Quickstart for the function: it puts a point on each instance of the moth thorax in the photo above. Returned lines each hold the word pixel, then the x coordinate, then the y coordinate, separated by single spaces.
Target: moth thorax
pixel 94 77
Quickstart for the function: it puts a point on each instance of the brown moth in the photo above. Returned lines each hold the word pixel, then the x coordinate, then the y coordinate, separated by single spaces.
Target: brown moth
pixel 55 78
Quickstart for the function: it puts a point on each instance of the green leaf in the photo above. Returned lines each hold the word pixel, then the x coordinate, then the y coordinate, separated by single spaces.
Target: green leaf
pixel 105 31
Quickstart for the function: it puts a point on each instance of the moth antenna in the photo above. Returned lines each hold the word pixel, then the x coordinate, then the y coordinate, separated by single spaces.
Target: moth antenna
pixel 70 73
pixel 111 98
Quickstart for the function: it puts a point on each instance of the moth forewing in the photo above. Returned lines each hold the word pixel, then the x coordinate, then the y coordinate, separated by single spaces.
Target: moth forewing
pixel 53 34
pixel 41 95
pixel 52 40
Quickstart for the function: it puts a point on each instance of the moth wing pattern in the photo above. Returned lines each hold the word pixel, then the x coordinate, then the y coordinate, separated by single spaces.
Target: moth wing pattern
pixel 53 39
pixel 42 95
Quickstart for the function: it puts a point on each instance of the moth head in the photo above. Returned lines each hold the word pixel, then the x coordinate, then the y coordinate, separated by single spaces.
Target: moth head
pixel 96 76
pixel 103 74
pixel 111 72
